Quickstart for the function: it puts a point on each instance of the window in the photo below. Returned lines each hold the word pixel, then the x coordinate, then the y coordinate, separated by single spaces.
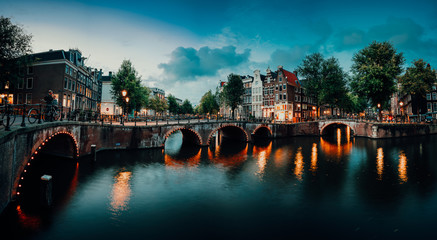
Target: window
pixel 65 83
pixel 434 107
pixel 284 87
pixel 280 96
pixel 19 98
pixel 434 96
pixel 428 96
pixel 429 107
pixel 20 84
pixel 285 96
pixel 280 87
pixel 434 87
pixel 29 83
pixel 30 70
pixel 28 98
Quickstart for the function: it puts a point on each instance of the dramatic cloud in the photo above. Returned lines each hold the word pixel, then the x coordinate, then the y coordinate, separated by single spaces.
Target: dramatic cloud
pixel 189 63
pixel 404 33
pixel 289 58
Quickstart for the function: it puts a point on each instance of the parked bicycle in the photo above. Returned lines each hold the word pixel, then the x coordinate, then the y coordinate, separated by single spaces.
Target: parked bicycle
pixel 5 112
pixel 49 114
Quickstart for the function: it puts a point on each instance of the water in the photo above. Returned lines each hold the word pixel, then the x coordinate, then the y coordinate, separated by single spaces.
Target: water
pixel 303 187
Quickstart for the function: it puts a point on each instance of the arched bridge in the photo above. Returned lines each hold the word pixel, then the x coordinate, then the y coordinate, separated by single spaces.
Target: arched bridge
pixel 20 146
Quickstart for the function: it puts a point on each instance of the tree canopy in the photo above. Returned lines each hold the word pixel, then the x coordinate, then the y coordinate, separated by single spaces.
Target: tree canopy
pixel 157 104
pixel 187 107
pixel 127 79
pixel 375 69
pixel 14 48
pixel 173 106
pixel 208 103
pixel 311 69
pixel 233 92
pixel 418 79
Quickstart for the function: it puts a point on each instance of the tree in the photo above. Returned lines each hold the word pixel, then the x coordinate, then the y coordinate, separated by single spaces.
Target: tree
pixel 186 107
pixel 311 69
pixel 127 79
pixel 208 103
pixel 233 92
pixel 14 50
pixel 333 85
pixel 158 105
pixel 173 106
pixel 418 80
pixel 375 69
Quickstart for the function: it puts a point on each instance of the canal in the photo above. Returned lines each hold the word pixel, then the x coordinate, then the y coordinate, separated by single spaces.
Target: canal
pixel 303 187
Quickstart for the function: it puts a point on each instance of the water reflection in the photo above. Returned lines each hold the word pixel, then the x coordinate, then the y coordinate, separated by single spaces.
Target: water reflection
pixel 121 192
pixel 298 164
pixel 313 167
pixel 262 153
pixel 380 163
pixel 230 153
pixel 342 146
pixel 402 167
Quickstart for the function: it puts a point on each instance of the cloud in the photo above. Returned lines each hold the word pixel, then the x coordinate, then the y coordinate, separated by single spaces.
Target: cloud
pixel 289 57
pixel 189 63
pixel 404 33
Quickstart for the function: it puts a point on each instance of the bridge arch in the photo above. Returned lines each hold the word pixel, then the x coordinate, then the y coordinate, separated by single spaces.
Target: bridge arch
pixel 330 124
pixel 262 131
pixel 240 132
pixel 189 135
pixel 60 143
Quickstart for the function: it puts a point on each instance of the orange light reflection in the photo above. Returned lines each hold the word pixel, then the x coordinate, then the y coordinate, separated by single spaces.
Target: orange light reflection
pixel 380 163
pixel 121 192
pixel 298 164
pixel 28 221
pixel 230 161
pixel 179 163
pixel 263 153
pixel 313 167
pixel 402 167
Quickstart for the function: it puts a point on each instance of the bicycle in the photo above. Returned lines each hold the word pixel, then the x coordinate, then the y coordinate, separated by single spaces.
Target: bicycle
pixel 32 115
pixel 6 112
pixel 51 113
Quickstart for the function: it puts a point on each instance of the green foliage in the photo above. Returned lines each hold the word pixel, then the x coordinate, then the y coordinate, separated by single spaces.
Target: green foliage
pixel 418 79
pixel 375 69
pixel 158 104
pixel 186 107
pixel 233 92
pixel 333 85
pixel 311 69
pixel 325 80
pixel 127 79
pixel 15 46
pixel 173 106
pixel 208 103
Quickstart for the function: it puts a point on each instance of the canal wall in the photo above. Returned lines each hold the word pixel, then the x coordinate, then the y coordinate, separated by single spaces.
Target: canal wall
pixel 74 139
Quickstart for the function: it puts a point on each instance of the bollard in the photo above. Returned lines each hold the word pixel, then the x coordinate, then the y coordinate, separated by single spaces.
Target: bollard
pixel 93 152
pixel 46 190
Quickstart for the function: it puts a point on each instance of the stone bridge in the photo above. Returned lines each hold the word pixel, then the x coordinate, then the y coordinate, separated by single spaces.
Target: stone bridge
pixel 20 146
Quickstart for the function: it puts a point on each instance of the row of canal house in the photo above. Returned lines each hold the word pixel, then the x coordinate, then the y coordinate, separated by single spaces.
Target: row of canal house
pixel 75 85
pixel 278 95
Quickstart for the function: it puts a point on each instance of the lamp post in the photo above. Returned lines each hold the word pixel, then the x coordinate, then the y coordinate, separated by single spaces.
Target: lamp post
pixel 124 94
pixel 402 108
pixel 379 112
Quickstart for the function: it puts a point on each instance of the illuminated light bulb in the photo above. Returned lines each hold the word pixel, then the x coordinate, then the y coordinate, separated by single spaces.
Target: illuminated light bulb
pixel 18 193
pixel 25 170
pixel 22 178
pixel 28 164
pixel 19 185
pixel 36 152
pixel 31 158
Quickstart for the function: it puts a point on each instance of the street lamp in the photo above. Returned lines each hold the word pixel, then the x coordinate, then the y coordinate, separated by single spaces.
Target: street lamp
pixel 402 108
pixel 379 112
pixel 124 94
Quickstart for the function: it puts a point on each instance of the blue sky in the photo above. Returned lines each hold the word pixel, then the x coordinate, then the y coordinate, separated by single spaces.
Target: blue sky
pixel 187 47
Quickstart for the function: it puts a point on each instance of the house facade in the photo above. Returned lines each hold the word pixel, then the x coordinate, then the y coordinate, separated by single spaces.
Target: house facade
pixel 75 85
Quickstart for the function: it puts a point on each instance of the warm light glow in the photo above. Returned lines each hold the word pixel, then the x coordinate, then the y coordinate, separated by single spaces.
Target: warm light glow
pixel 121 192
pixel 262 153
pixel 313 168
pixel 298 164
pixel 401 103
pixel 338 137
pixel 380 163
pixel 127 99
pixel 348 134
pixel 402 167
pixel 179 163
pixel 124 93
pixel 379 105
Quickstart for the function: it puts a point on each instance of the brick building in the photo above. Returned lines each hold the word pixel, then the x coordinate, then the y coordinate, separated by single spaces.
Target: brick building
pixel 75 85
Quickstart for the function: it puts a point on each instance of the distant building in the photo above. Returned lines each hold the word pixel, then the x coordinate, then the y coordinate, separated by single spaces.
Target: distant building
pixel 246 107
pixel 257 94
pixel 75 85
pixel 431 101
pixel 108 106
pixel 157 92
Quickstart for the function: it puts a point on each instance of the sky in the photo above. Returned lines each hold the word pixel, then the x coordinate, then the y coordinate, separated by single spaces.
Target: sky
pixel 188 47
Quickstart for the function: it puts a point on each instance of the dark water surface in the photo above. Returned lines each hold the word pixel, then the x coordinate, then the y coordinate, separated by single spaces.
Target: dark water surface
pixel 303 187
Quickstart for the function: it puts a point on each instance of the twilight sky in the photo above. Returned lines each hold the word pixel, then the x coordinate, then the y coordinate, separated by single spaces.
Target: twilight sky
pixel 187 47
